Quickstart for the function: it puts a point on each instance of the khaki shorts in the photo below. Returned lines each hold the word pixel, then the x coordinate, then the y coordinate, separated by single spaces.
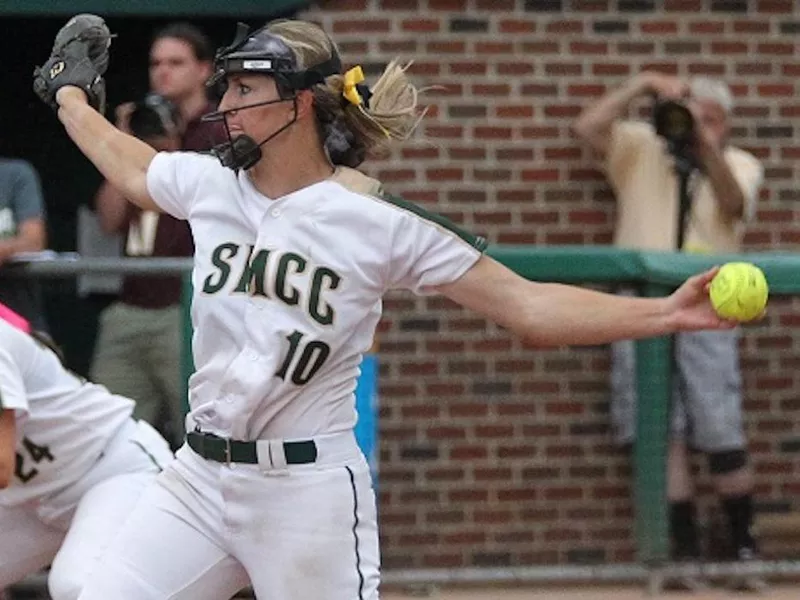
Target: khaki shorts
pixel 706 407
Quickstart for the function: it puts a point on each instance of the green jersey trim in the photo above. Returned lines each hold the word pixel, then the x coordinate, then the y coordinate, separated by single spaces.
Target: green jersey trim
pixel 478 242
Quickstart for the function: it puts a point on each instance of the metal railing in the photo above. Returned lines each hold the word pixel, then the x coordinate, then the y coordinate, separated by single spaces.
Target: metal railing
pixel 70 265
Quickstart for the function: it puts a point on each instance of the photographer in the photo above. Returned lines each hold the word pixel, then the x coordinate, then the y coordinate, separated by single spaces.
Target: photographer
pixel 139 341
pixel 682 171
pixel 138 349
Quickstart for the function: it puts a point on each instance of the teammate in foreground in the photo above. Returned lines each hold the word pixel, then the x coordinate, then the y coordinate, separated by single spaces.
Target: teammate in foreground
pixel 290 268
pixel 72 463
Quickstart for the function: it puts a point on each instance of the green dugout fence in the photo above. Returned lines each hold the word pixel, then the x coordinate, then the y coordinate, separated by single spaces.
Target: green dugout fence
pixel 655 274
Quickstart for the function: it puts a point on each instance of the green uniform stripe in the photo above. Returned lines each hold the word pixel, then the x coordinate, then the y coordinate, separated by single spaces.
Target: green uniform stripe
pixel 478 242
pixel 149 455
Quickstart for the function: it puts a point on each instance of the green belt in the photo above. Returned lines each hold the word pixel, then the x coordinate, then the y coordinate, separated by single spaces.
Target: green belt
pixel 224 450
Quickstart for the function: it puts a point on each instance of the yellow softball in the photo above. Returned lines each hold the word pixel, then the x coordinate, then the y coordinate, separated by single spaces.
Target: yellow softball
pixel 739 291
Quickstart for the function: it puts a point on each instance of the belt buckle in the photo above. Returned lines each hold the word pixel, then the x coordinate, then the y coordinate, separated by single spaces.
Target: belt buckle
pixel 227 451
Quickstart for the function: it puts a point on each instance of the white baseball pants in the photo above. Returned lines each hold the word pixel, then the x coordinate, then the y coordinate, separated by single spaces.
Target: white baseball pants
pixel 207 529
pixel 72 529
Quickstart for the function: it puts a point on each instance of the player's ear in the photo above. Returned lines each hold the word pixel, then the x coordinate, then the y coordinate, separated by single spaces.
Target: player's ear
pixel 206 70
pixel 305 103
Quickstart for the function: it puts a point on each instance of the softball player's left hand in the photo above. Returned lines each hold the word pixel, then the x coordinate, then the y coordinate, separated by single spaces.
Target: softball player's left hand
pixel 79 58
pixel 690 306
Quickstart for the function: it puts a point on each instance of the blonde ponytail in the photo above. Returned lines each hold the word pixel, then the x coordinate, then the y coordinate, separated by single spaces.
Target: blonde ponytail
pixel 354 126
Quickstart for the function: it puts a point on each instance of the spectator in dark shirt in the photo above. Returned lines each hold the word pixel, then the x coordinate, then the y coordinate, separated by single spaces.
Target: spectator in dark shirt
pixel 138 351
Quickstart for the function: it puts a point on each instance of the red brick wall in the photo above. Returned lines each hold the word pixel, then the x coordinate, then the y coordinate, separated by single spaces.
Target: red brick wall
pixel 492 454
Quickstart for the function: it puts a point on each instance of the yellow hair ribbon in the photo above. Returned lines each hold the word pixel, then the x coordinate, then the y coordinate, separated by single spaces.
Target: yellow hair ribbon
pixel 351 79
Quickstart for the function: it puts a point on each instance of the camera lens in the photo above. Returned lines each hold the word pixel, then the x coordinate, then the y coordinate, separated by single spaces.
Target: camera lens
pixel 154 116
pixel 674 122
pixel 677 125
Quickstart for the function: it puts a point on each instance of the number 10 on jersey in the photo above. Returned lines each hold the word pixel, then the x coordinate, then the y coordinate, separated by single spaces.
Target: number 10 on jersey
pixel 303 359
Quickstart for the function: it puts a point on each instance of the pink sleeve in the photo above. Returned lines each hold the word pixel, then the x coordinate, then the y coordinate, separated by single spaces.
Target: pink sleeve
pixel 13 319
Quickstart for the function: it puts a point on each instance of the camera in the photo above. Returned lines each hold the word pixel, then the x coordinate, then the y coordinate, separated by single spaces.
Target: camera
pixel 675 123
pixel 154 116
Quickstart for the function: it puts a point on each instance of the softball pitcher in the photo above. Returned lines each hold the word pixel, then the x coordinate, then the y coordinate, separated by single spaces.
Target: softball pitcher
pixel 290 267
pixel 72 464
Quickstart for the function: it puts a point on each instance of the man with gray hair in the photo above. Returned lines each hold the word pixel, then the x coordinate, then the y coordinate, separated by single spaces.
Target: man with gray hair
pixel 680 186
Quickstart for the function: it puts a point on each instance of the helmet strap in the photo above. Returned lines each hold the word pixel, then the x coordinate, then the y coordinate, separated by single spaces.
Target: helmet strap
pixel 243 152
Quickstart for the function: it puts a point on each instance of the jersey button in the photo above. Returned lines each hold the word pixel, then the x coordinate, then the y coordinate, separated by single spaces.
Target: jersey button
pixel 276 212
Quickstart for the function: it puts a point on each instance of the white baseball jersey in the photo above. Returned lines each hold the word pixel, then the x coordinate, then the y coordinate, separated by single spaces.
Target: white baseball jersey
pixel 287 291
pixel 63 422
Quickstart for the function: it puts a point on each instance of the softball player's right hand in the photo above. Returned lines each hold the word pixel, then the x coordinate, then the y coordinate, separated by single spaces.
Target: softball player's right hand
pixel 689 307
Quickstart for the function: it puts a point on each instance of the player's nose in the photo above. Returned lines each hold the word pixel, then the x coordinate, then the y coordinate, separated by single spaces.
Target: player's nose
pixel 225 103
pixel 231 113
